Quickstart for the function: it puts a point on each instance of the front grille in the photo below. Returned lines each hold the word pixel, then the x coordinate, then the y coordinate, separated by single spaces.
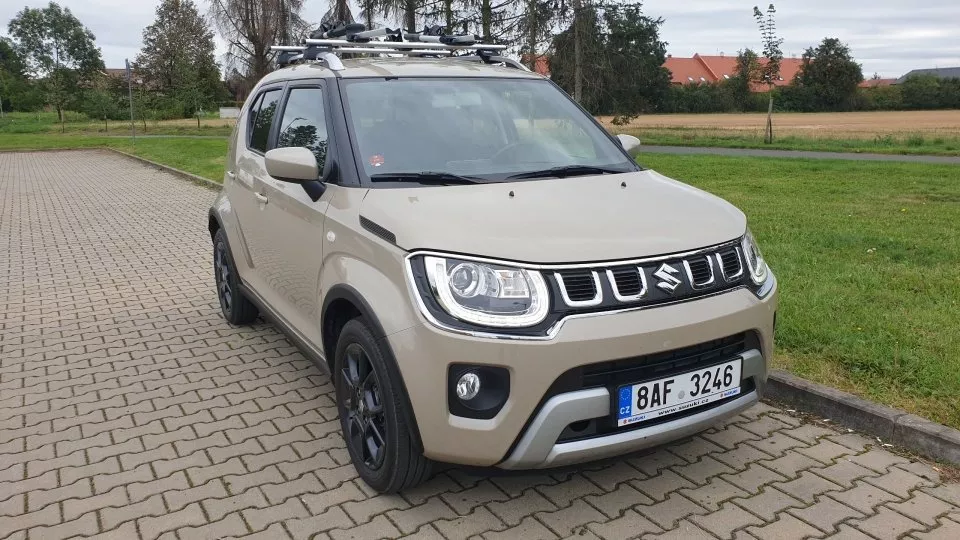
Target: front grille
pixel 732 267
pixel 579 285
pixel 701 270
pixel 659 280
pixel 628 281
pixel 656 366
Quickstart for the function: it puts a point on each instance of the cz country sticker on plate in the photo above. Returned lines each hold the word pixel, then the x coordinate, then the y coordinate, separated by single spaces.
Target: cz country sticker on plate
pixel 655 399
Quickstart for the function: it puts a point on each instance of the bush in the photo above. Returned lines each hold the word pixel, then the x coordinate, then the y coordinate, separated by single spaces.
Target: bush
pixel 881 98
pixel 921 92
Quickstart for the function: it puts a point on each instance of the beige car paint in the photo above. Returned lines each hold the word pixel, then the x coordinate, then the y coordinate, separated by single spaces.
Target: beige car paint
pixel 302 249
pixel 424 352
pixel 560 220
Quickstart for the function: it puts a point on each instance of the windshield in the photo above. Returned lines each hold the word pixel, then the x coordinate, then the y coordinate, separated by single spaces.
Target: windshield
pixel 483 129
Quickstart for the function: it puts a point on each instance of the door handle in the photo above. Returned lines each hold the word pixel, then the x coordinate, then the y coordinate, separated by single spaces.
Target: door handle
pixel 261 198
pixel 231 174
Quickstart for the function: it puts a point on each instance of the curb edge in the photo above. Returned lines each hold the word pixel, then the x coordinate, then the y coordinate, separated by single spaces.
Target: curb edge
pixel 926 438
pixel 199 180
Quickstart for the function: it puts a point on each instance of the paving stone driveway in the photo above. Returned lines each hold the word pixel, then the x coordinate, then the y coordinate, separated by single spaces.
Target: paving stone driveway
pixel 129 409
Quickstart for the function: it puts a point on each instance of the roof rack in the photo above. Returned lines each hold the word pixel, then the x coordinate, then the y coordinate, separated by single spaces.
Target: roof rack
pixel 325 43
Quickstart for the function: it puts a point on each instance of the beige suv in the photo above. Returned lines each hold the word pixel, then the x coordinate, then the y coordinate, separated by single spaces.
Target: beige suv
pixel 487 275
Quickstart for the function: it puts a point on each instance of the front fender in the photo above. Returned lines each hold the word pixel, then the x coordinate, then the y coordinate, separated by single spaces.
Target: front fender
pixel 223 214
pixel 380 286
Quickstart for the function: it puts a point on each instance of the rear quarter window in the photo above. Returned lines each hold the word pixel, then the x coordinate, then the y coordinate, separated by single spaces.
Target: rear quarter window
pixel 261 119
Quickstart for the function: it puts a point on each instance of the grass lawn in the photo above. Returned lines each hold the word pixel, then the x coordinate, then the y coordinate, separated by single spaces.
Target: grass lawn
pixel 21 123
pixel 916 144
pixel 201 156
pixel 868 258
pixel 867 254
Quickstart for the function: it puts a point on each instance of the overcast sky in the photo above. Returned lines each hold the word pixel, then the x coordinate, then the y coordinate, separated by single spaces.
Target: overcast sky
pixel 889 37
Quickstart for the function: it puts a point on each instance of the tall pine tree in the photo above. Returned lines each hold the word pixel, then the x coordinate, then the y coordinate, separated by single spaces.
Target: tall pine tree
pixel 178 60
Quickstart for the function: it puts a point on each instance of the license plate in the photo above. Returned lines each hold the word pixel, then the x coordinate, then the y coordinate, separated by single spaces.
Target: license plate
pixel 650 400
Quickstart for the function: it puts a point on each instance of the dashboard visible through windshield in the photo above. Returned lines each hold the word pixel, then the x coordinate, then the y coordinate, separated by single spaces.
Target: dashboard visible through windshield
pixel 474 130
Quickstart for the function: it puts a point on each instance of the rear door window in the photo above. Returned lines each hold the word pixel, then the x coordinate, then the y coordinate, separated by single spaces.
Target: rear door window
pixel 261 119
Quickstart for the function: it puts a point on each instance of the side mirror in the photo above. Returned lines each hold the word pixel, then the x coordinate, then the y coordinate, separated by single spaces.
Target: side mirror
pixel 296 165
pixel 631 144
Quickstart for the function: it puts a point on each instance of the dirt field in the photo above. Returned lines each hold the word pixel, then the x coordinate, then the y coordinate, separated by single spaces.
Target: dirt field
pixel 841 125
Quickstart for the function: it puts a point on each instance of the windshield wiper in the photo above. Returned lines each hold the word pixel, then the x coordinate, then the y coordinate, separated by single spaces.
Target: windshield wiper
pixel 427 177
pixel 564 172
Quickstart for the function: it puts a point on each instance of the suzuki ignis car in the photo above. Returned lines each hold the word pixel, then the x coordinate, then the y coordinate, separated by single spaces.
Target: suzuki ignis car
pixel 488 276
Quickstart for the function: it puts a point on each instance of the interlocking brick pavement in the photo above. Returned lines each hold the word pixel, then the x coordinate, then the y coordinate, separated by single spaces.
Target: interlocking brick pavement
pixel 129 409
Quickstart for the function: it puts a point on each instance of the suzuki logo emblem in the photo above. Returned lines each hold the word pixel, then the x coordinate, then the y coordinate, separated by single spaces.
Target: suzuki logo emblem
pixel 668 278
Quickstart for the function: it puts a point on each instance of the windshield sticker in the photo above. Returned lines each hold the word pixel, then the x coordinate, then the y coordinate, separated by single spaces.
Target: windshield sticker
pixel 376 160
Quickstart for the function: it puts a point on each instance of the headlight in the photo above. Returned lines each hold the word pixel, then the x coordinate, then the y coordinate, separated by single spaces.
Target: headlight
pixel 488 294
pixel 755 263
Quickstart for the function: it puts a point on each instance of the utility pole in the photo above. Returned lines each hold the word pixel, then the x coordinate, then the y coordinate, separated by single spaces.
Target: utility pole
pixel 133 128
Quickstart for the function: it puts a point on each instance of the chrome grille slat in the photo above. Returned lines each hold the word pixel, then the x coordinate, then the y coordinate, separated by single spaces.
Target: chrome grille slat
pixel 730 263
pixel 628 283
pixel 580 288
pixel 700 271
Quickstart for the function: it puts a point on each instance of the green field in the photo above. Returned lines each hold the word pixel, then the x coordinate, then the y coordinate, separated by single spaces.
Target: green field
pixel 867 255
pixel 914 144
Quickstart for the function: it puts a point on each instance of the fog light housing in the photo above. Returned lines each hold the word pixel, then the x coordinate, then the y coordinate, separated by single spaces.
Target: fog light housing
pixel 468 386
pixel 476 391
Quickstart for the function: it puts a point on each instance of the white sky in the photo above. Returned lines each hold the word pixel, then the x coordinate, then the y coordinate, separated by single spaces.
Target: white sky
pixel 889 37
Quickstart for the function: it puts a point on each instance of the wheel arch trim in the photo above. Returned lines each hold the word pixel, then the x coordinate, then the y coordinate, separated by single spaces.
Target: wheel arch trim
pixel 350 294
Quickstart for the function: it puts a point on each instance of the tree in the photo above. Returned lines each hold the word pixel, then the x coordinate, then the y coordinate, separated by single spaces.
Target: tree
pixel 368 10
pixel 13 78
pixel 769 73
pixel 830 76
pixel 747 71
pixel 405 9
pixel 636 79
pixel 177 58
pixel 921 92
pixel 100 101
pixel 534 27
pixel 949 93
pixel 577 63
pixel 57 49
pixel 340 11
pixel 619 69
pixel 251 27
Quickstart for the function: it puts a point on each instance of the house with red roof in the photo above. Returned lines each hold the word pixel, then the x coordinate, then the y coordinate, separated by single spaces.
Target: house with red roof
pixel 713 69
pixel 702 69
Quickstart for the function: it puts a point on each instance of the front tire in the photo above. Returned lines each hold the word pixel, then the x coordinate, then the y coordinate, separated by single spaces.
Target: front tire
pixel 371 408
pixel 234 305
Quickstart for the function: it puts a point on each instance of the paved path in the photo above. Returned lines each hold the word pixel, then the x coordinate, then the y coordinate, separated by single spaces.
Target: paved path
pixel 129 409
pixel 847 156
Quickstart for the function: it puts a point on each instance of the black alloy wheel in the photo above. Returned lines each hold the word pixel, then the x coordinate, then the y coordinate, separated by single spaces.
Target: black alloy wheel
pixel 236 308
pixel 222 272
pixel 363 404
pixel 375 417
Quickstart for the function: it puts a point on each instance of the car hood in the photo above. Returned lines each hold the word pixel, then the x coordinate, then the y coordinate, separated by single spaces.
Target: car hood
pixel 565 220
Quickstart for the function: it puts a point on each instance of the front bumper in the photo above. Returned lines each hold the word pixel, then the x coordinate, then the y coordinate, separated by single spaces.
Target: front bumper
pixel 539 446
pixel 524 434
